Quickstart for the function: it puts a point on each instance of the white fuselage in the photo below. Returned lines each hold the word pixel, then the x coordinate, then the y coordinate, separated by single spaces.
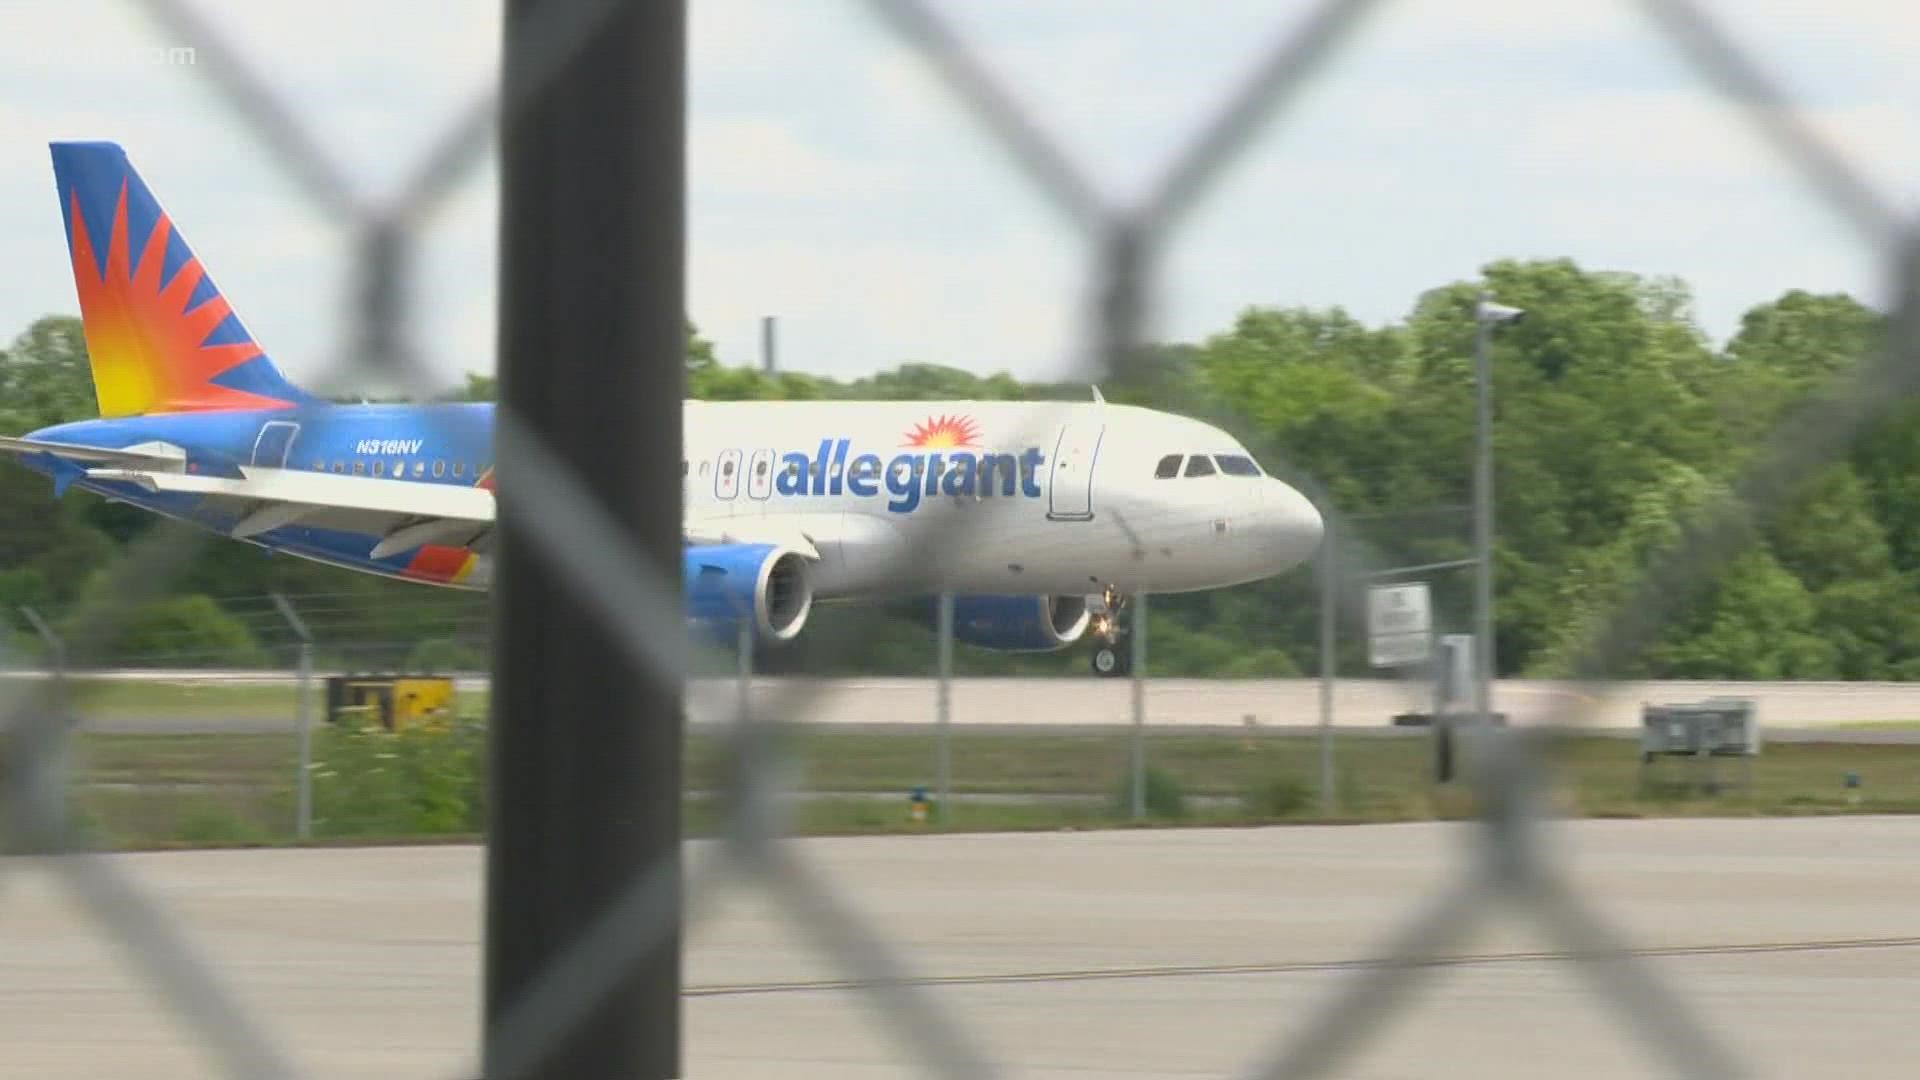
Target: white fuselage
pixel 996 497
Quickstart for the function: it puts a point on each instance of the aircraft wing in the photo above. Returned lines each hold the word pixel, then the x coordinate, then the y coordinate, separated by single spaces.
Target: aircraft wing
pixel 404 513
pixel 146 455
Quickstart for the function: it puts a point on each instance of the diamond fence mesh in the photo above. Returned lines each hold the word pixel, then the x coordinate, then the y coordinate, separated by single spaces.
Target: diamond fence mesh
pixel 1124 248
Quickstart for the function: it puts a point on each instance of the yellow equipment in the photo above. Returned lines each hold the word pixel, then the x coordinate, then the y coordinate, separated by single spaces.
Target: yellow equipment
pixel 395 701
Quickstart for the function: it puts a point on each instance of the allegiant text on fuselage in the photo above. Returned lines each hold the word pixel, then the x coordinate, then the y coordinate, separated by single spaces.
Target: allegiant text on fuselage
pixel 908 476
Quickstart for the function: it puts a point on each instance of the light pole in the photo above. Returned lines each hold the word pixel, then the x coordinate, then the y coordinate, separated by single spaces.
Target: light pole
pixel 1486 315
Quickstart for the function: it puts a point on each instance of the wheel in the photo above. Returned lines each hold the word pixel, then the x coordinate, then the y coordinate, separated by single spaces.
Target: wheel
pixel 1109 661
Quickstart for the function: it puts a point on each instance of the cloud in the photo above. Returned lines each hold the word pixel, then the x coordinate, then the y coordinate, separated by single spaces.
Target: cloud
pixel 1682 140
pixel 835 182
pixel 761 157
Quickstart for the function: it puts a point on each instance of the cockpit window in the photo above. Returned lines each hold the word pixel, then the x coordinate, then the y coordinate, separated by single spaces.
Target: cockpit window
pixel 1169 466
pixel 1237 465
pixel 1199 465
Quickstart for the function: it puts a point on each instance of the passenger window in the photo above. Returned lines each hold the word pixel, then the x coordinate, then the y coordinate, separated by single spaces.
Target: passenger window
pixel 399 470
pixel 1199 465
pixel 1169 466
pixel 460 468
pixel 319 466
pixel 339 466
pixel 359 468
pixel 439 468
pixel 379 468
pixel 419 469
pixel 1236 465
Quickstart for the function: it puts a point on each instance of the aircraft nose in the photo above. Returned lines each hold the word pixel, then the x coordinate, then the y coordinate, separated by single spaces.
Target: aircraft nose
pixel 1292 526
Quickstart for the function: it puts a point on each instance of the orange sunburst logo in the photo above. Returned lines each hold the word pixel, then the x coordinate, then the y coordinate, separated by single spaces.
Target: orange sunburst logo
pixel 944 432
pixel 146 343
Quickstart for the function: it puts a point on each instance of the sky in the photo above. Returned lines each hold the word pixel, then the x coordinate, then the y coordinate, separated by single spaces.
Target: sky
pixel 835 183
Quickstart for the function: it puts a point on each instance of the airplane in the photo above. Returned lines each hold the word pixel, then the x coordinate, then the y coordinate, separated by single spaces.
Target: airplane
pixel 1057 511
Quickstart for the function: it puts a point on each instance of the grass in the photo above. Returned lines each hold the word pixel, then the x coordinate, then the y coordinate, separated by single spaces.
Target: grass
pixel 107 699
pixel 170 790
pixel 115 698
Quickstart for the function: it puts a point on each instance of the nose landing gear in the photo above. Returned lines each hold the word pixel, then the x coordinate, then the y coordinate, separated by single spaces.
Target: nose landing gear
pixel 1109 658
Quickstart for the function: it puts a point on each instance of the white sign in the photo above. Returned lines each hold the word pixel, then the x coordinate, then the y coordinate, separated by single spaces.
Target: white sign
pixel 1399 624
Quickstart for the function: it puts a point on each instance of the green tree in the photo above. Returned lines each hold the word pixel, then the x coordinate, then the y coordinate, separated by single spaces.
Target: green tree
pixel 1617 424
pixel 1758 623
pixel 44 376
pixel 185 631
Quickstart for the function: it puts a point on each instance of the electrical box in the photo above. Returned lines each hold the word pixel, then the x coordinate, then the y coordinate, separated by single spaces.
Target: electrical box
pixel 1716 727
pixel 1454 674
pixel 391 701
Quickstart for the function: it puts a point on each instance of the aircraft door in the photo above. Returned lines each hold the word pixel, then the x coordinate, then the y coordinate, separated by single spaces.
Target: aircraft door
pixel 1070 491
pixel 274 443
pixel 726 477
pixel 760 475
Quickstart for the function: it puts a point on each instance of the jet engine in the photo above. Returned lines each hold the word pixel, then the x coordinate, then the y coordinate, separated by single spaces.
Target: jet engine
pixel 1020 623
pixel 766 582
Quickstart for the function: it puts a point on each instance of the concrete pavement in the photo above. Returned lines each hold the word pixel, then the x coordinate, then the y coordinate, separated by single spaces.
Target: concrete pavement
pixel 1796 943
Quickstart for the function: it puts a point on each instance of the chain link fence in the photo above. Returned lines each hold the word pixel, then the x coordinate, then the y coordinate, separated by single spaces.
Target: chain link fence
pixel 1123 248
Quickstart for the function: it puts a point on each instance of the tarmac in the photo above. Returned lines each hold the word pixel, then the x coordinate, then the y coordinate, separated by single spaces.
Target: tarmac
pixel 1792 946
pixel 1082 703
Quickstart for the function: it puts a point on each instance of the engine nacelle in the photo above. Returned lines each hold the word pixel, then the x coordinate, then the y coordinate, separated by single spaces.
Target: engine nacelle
pixel 767 582
pixel 1020 623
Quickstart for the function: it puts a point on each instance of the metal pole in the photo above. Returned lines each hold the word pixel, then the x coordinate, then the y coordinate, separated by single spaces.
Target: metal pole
pixel 1329 611
pixel 56 649
pixel 585 746
pixel 1482 519
pixel 943 749
pixel 769 354
pixel 1139 706
pixel 46 744
pixel 943 715
pixel 303 781
pixel 1441 724
pixel 744 647
pixel 302 721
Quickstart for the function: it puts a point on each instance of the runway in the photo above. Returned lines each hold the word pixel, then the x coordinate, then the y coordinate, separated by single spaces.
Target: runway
pixel 1169 703
pixel 1794 943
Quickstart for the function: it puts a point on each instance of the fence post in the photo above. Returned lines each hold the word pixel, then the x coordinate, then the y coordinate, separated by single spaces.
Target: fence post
pixel 1329 613
pixel 585 744
pixel 943 713
pixel 45 756
pixel 743 645
pixel 1139 674
pixel 302 721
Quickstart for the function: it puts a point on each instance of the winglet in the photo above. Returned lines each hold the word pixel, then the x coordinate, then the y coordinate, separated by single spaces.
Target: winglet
pixel 1098 398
